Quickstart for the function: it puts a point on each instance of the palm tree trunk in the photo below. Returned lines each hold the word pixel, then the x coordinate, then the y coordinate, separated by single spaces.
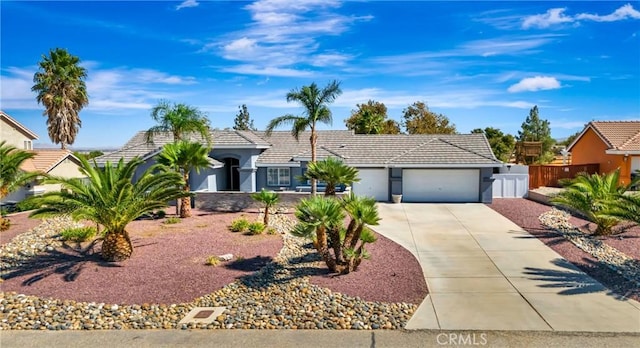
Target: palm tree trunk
pixel 266 215
pixel 116 246
pixel 185 207
pixel 321 237
pixel 314 140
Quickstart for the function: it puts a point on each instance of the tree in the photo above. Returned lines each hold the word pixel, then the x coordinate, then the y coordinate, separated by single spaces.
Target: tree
pixel 322 219
pixel 371 118
pixel 269 199
pixel 184 156
pixel 243 121
pixel 111 198
pixel 418 119
pixel 315 103
pixel 333 172
pixel 592 196
pixel 61 89
pixel 536 129
pixel 570 139
pixel 180 120
pixel 11 176
pixel 627 207
pixel 501 144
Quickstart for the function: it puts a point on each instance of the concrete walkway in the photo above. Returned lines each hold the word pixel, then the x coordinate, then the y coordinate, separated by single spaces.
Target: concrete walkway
pixel 486 273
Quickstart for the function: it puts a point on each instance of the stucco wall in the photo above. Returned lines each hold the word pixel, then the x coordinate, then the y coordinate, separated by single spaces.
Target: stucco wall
pixel 591 149
pixel 67 169
pixel 12 135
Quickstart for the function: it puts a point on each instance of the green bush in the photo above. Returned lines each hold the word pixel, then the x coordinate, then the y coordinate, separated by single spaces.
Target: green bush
pixel 171 220
pixel 239 225
pixel 212 261
pixel 160 214
pixel 78 234
pixel 26 205
pixel 272 231
pixel 256 227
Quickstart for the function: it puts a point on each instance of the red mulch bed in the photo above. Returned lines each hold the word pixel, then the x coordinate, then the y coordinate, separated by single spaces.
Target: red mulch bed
pixel 525 213
pixel 167 266
pixel 20 222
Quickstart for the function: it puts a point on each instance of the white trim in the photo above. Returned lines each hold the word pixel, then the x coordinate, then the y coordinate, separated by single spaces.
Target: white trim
pixel 287 164
pixel 240 146
pixel 435 165
pixel 622 152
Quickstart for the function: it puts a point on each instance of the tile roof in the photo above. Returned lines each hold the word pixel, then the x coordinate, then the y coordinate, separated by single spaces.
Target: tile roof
pixel 10 120
pixel 618 135
pixel 46 159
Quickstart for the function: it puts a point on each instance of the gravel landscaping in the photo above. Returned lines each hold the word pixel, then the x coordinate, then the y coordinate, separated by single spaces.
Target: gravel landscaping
pixel 526 214
pixel 59 289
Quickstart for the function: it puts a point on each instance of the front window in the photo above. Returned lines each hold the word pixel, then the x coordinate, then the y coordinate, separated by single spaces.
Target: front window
pixel 27 144
pixel 278 176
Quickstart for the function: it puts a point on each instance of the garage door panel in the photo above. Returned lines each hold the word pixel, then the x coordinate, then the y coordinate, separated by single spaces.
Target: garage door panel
pixel 373 183
pixel 440 185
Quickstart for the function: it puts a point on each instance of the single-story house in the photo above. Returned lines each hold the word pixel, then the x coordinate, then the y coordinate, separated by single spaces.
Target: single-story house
pixel 422 168
pixel 611 144
pixel 50 161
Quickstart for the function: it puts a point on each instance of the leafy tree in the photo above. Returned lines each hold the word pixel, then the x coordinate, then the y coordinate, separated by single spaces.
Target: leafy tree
pixel 90 155
pixel 315 102
pixel 333 172
pixel 11 176
pixel 322 219
pixel 536 129
pixel 62 91
pixel 501 144
pixel 371 118
pixel 184 156
pixel 269 199
pixel 592 196
pixel 111 198
pixel 180 120
pixel 243 121
pixel 418 119
pixel 570 139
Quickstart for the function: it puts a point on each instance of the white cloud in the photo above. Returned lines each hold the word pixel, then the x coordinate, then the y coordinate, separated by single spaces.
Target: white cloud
pixel 625 12
pixel 537 83
pixel 249 69
pixel 187 4
pixel 556 16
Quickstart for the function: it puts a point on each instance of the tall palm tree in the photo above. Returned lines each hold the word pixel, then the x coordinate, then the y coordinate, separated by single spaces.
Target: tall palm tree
pixel 184 156
pixel 11 176
pixel 180 120
pixel 592 196
pixel 61 89
pixel 111 198
pixel 333 172
pixel 269 199
pixel 315 103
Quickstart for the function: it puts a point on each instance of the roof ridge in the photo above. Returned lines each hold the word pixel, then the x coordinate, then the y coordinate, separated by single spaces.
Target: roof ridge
pixel 593 125
pixel 630 140
pixel 331 151
pixel 410 150
pixel 469 150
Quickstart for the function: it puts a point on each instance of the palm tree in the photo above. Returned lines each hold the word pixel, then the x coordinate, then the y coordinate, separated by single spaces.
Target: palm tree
pixel 111 198
pixel 269 199
pixel 322 218
pixel 180 120
pixel 184 156
pixel 627 207
pixel 333 172
pixel 592 196
pixel 11 176
pixel 61 89
pixel 315 102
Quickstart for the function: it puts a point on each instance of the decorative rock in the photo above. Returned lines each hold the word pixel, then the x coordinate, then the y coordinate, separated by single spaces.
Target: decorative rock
pixel 226 257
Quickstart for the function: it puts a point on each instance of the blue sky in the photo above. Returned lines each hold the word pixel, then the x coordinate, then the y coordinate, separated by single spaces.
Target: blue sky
pixel 479 63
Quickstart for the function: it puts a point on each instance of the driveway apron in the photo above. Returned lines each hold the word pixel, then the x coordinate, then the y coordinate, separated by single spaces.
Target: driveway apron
pixel 486 273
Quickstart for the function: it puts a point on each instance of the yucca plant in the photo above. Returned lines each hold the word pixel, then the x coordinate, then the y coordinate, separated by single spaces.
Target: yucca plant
pixel 333 172
pixel 269 199
pixel 110 197
pixel 593 196
pixel 322 218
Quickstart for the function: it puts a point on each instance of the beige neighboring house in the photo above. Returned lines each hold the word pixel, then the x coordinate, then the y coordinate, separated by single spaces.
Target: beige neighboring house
pixel 50 161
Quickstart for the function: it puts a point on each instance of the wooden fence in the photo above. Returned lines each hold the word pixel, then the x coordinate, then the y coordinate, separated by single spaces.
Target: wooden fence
pixel 541 175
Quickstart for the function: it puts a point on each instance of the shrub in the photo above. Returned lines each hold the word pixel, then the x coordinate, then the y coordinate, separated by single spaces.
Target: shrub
pixel 4 224
pixel 269 199
pixel 160 214
pixel 171 220
pixel 239 225
pixel 271 231
pixel 26 205
pixel 256 227
pixel 212 261
pixel 78 234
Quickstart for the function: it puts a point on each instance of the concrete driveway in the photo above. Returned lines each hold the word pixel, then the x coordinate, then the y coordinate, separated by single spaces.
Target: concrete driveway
pixel 486 273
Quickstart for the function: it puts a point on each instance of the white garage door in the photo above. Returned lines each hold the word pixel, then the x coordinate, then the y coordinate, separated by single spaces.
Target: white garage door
pixel 440 185
pixel 373 183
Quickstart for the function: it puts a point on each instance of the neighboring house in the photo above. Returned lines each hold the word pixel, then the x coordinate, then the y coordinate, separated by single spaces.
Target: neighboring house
pixel 13 133
pixel 423 168
pixel 50 161
pixel 611 144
